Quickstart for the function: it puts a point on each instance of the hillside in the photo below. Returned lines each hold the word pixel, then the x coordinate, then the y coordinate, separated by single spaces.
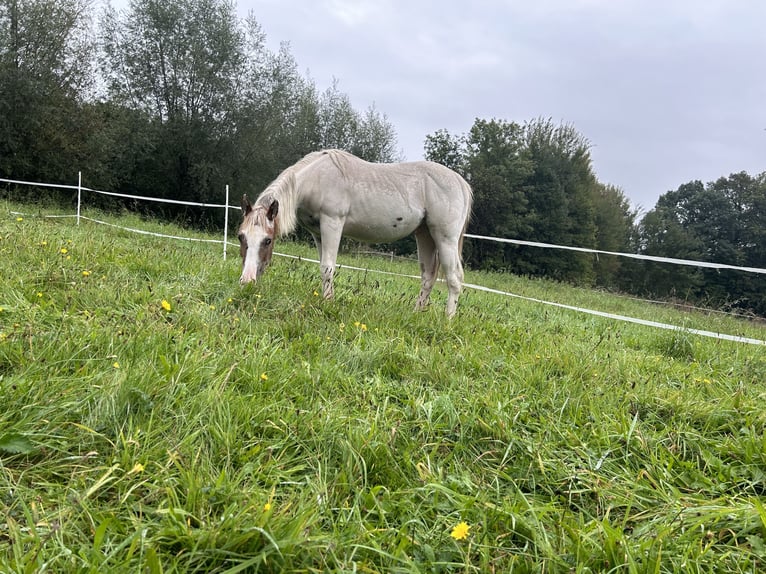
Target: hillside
pixel 157 417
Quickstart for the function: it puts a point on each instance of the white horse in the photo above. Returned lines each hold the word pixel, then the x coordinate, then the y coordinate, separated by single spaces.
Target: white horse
pixel 333 193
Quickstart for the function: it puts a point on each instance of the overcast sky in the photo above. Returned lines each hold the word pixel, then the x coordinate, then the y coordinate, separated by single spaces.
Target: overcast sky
pixel 666 91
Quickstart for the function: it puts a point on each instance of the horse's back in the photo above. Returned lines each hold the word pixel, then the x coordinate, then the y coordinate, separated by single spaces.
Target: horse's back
pixel 386 198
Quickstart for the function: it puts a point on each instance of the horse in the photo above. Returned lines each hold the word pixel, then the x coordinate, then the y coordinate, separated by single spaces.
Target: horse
pixel 333 193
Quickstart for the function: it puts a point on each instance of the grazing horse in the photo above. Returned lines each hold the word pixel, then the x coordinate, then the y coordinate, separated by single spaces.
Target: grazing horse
pixel 333 193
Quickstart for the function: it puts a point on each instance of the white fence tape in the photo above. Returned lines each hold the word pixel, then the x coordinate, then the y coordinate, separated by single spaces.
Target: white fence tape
pixel 655 324
pixel 112 194
pixel 630 255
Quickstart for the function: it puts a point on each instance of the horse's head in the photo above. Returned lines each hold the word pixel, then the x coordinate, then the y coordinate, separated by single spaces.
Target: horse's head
pixel 256 237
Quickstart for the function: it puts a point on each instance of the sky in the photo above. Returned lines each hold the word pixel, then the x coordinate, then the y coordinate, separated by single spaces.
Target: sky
pixel 665 91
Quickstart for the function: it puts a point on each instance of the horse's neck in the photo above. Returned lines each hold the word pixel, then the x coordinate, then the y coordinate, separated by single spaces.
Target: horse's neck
pixel 286 188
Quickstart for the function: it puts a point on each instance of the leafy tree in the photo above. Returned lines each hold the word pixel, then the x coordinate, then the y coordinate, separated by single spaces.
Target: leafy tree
pixel 535 182
pixel 615 231
pixel 180 62
pixel 370 136
pixel 720 222
pixel 561 190
pixel 277 122
pixel 45 79
pixel 662 235
pixel 497 166
pixel 446 149
pixel 337 119
pixel 375 138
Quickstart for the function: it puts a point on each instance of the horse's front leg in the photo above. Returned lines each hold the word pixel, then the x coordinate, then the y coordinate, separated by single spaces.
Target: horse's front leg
pixel 331 229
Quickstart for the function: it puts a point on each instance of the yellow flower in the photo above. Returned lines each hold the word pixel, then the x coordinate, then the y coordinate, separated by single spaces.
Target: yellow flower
pixel 86 273
pixel 64 250
pixel 264 377
pixel 460 531
pixel 363 327
pixel 43 243
pixel 316 293
pixel 19 219
pixel 267 507
pixel 166 305
pixel 116 365
pixel 138 467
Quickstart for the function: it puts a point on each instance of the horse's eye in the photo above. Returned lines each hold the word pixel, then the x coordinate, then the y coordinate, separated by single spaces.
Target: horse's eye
pixel 267 241
pixel 242 238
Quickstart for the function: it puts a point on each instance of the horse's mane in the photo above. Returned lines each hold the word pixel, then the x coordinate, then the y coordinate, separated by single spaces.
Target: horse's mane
pixel 284 189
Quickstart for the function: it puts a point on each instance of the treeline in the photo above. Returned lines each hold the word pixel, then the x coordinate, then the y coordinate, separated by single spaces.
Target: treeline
pixel 178 98
pixel 535 182
pixel 170 99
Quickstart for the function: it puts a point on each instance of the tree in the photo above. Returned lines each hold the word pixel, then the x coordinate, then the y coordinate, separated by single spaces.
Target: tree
pixel 337 119
pixel 371 136
pixel 446 149
pixel 45 77
pixel 497 167
pixel 278 119
pixel 535 182
pixel 180 62
pixel 721 222
pixel 561 191
pixel 615 231
pixel 375 138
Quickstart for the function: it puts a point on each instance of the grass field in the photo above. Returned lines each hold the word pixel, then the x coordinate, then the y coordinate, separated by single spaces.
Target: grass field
pixel 156 417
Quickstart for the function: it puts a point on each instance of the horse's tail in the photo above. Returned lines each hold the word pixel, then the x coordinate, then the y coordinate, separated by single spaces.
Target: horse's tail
pixel 468 191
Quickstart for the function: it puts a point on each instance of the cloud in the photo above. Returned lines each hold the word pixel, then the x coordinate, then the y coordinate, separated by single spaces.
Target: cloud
pixel 665 91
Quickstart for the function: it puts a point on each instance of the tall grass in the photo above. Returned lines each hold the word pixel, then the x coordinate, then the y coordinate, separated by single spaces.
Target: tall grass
pixel 156 417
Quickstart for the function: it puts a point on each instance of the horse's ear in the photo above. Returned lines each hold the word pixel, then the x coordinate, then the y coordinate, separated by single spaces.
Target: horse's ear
pixel 273 210
pixel 246 206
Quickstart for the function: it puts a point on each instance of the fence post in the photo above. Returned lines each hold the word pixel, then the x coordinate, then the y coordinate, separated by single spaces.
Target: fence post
pixel 79 194
pixel 226 222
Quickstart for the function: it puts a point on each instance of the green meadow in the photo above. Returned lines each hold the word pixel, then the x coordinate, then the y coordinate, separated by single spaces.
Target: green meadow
pixel 156 417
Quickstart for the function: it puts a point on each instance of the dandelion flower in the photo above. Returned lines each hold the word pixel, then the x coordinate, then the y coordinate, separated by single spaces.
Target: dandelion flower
pixel 264 377
pixel 64 250
pixel 460 531
pixel 116 365
pixel 19 219
pixel 363 327
pixel 166 305
pixel 267 507
pixel 86 273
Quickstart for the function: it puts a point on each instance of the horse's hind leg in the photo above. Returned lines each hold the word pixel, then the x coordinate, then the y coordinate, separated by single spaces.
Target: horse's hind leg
pixel 449 256
pixel 429 265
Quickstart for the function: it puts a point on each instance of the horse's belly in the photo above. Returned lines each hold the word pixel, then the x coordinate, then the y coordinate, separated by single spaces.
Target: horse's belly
pixel 381 222
pixel 379 233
